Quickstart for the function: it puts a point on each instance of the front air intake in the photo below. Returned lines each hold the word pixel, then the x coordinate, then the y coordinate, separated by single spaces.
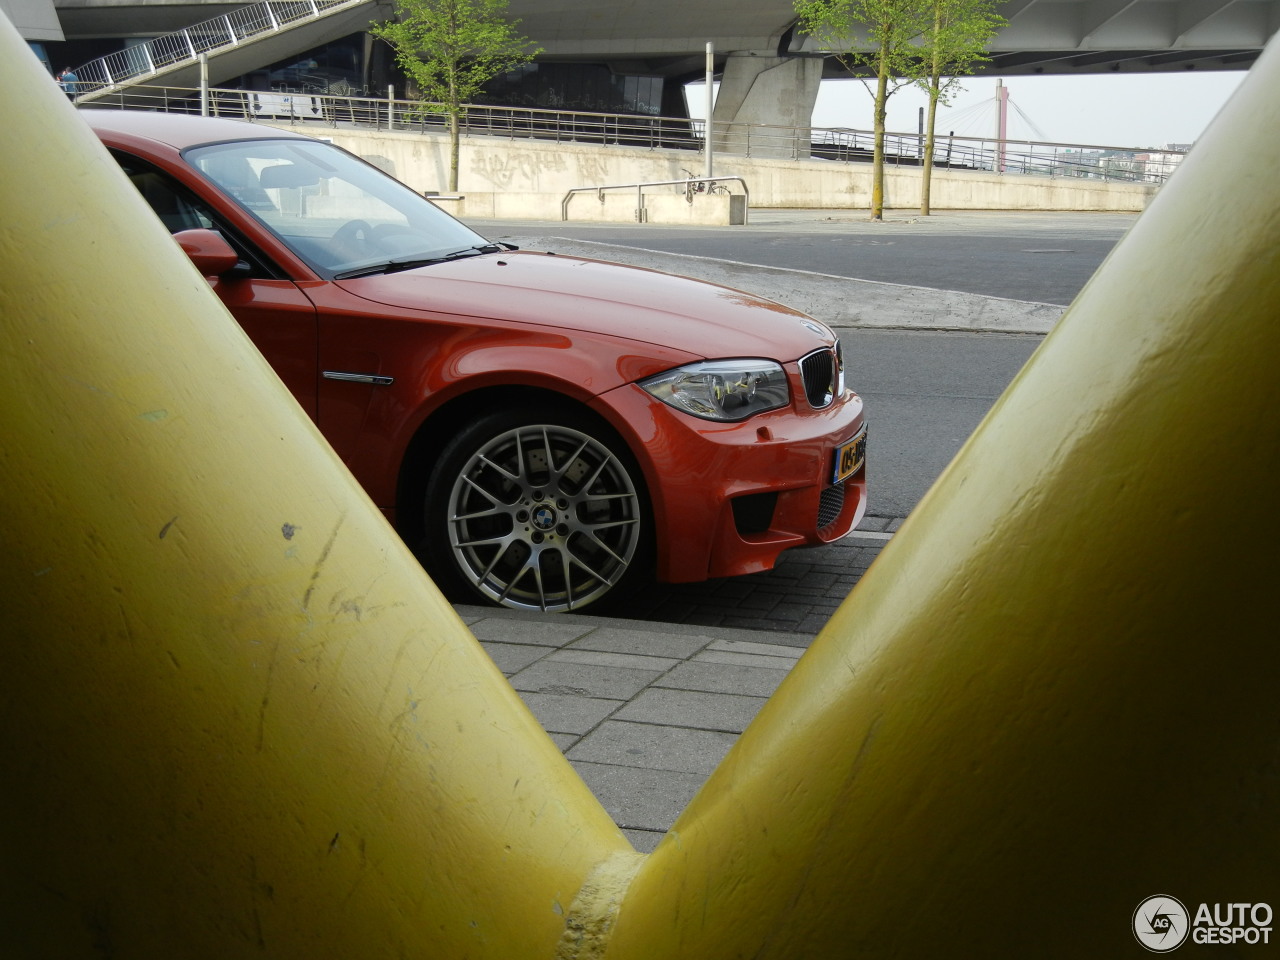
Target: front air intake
pixel 830 505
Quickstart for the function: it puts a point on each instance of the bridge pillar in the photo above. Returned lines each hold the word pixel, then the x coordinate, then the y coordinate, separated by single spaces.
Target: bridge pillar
pixel 780 91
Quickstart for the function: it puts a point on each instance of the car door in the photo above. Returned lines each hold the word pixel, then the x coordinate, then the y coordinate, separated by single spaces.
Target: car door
pixel 278 316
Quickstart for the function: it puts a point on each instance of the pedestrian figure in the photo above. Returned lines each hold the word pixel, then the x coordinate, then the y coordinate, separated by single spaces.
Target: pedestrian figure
pixel 69 82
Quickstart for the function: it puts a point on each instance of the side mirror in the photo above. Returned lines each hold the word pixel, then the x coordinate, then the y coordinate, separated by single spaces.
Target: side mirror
pixel 211 254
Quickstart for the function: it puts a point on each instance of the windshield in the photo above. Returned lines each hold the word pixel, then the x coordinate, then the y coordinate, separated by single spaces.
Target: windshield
pixel 339 214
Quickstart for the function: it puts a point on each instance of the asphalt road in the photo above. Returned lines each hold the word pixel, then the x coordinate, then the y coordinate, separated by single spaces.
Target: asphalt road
pixel 1020 256
pixel 925 394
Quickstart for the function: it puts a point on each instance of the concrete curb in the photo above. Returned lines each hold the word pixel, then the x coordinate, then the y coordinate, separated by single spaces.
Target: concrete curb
pixel 836 301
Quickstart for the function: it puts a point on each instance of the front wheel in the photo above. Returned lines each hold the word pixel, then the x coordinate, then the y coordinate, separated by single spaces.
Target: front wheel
pixel 537 511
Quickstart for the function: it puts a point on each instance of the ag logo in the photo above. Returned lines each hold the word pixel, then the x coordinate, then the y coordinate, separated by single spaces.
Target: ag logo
pixel 1161 924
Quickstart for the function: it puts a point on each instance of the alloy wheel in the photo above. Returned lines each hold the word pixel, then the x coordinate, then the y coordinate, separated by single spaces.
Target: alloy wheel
pixel 543 517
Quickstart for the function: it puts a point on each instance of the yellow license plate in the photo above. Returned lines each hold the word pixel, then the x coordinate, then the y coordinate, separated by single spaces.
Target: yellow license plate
pixel 850 456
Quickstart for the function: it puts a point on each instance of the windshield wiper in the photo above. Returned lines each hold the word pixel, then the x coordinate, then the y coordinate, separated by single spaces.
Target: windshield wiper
pixel 395 266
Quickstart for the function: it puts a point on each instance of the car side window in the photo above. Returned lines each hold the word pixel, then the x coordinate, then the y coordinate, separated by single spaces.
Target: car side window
pixel 175 211
pixel 179 209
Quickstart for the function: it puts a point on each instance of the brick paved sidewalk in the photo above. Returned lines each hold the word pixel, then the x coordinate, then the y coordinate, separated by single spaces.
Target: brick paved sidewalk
pixel 798 596
pixel 644 711
pixel 645 707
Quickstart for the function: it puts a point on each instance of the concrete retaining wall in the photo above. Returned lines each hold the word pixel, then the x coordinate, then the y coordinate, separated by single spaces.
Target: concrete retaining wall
pixel 528 179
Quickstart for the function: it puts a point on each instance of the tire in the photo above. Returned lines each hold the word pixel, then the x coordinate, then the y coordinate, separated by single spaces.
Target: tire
pixel 537 510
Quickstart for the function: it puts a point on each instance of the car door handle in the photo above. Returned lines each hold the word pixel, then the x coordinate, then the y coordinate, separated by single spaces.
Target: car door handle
pixel 372 378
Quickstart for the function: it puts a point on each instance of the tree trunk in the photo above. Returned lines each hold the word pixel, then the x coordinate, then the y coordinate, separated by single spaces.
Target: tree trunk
pixel 454 104
pixel 877 157
pixel 926 179
pixel 453 149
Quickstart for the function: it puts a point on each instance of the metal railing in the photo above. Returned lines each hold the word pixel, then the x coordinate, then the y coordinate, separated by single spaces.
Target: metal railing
pixel 985 154
pixel 691 188
pixel 184 47
pixel 840 145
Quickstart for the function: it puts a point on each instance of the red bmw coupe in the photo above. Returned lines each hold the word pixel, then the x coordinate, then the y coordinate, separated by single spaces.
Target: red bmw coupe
pixel 545 432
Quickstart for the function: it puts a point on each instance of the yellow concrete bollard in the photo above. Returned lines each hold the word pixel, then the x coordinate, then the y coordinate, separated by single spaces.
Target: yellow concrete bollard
pixel 237 718
pixel 1054 694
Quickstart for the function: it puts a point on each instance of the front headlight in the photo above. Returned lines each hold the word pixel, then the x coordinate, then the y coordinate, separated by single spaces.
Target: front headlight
pixel 722 389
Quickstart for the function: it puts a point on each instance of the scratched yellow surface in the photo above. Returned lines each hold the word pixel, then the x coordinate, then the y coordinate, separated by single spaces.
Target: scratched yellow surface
pixel 236 719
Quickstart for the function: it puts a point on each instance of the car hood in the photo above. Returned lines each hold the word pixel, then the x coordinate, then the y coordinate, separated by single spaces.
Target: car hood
pixel 591 295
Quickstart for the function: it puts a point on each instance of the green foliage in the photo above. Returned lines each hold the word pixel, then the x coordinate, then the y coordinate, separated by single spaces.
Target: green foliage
pixel 451 48
pixel 867 35
pixel 955 42
pixel 876 36
pixel 902 41
pixel 952 45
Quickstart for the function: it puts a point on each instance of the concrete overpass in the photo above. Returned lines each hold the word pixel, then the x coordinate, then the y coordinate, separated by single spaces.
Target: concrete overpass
pixel 769 71
pixel 668 37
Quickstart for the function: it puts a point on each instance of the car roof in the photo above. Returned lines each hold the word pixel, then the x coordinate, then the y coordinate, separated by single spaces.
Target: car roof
pixel 179 130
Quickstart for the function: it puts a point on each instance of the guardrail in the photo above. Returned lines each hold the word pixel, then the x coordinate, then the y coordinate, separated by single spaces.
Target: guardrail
pixel 692 187
pixel 986 154
pixel 184 47
pixel 842 145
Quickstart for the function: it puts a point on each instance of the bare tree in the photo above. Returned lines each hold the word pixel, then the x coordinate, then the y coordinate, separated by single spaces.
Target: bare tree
pixel 953 44
pixel 879 37
pixel 449 49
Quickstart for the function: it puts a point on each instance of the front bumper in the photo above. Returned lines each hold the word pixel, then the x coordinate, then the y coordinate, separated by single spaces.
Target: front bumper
pixel 728 498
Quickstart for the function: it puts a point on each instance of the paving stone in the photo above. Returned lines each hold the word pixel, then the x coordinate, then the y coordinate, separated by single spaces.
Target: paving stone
pixel 746 659
pixel 788 613
pixel 873 524
pixel 602 658
pixel 513 657
pixel 755 623
pixel 546 633
pixel 668 610
pixel 564 740
pixel 653 747
pixel 812 594
pixel 821 581
pixel 723 678
pixel 583 679
pixel 777 649
pixel 703 618
pixel 813 624
pixel 797 640
pixel 644 840
pixel 688 708
pixel 620 640
pixel 639 799
pixel 646 708
pixel 559 713
pixel 762 600
pixel 738 587
pixel 786 576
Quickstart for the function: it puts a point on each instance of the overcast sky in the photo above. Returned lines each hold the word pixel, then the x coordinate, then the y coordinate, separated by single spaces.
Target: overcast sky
pixel 1111 110
pixel 1124 110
